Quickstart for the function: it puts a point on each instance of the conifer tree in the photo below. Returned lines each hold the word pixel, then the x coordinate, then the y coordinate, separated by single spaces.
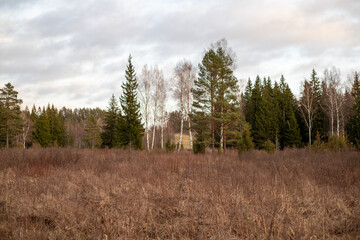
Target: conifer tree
pixel 11 123
pixel 92 133
pixel 215 107
pixel 110 134
pixel 57 126
pixel 132 130
pixel 353 125
pixel 227 106
pixel 42 133
pixel 289 130
pixel 320 123
pixel 204 91
pixel 266 120
pixel 245 142
pixel 254 104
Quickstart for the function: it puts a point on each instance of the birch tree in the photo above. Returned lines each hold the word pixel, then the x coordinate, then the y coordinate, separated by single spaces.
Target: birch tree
pixel 190 75
pixel 145 95
pixel 27 125
pixel 180 93
pixel 308 106
pixel 333 98
pixel 157 80
pixel 162 110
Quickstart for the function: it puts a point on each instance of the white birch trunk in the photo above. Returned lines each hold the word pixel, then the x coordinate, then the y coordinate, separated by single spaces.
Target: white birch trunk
pixel 181 132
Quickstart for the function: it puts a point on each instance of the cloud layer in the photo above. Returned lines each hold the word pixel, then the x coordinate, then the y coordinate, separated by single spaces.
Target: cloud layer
pixel 74 53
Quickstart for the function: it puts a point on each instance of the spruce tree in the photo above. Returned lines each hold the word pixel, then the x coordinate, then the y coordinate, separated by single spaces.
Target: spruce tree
pixel 320 122
pixel 289 129
pixel 254 105
pixel 42 130
pixel 92 133
pixel 266 121
pixel 57 126
pixel 110 134
pixel 245 143
pixel 132 129
pixel 353 125
pixel 11 123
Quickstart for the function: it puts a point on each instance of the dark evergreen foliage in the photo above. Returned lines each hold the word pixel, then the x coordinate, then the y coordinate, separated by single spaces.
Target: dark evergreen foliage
pixel 131 128
pixel 11 122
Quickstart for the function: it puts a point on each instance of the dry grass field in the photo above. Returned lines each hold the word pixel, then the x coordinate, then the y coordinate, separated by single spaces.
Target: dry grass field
pixel 114 194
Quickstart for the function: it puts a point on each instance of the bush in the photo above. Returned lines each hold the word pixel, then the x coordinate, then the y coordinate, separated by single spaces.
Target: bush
pixel 337 143
pixel 318 144
pixel 269 146
pixel 170 147
pixel 198 147
pixel 245 143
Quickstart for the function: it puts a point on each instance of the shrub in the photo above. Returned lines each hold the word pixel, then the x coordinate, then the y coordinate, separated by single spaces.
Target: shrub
pixel 337 143
pixel 318 144
pixel 269 146
pixel 198 147
pixel 245 143
pixel 170 147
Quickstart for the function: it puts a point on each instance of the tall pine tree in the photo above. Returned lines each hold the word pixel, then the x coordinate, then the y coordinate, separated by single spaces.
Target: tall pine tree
pixel 11 123
pixel 132 129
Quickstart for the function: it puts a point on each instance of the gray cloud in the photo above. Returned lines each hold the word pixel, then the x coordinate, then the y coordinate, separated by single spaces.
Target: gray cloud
pixel 74 53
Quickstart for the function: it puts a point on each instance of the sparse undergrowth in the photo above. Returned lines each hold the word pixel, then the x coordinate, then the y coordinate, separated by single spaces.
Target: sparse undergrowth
pixel 112 194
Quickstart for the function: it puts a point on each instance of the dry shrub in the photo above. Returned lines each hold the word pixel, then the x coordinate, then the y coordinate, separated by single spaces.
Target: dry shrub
pixel 116 194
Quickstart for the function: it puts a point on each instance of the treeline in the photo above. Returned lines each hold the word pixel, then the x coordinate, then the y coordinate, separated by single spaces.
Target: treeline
pixel 210 108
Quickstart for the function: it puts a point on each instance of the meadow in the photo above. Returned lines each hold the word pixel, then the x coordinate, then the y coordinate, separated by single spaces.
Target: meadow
pixel 66 193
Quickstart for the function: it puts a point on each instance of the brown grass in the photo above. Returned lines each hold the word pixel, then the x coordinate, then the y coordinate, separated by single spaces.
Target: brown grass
pixel 114 194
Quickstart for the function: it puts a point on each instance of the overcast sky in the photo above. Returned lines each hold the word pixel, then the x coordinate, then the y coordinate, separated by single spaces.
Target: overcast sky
pixel 74 53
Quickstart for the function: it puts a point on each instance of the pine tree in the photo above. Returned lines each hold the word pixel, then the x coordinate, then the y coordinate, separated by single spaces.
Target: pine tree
pixel 353 125
pixel 204 91
pixel 132 130
pixel 215 107
pixel 42 133
pixel 11 123
pixel 92 132
pixel 110 134
pixel 227 106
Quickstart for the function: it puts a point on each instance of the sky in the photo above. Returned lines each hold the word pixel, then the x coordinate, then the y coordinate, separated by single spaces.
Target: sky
pixel 74 53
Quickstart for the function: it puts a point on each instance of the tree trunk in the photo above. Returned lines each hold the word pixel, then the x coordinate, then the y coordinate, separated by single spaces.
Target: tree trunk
pixel 162 136
pixel 181 132
pixel 190 135
pixel 310 127
pixel 147 135
pixel 153 138
pixel 7 137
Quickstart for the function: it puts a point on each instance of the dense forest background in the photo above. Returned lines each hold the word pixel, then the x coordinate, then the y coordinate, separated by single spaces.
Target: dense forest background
pixel 212 110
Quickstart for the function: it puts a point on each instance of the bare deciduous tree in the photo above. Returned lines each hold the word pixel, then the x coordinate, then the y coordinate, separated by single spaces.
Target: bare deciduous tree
pixel 157 80
pixel 27 125
pixel 145 94
pixel 308 106
pixel 184 75
pixel 333 98
pixel 162 109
